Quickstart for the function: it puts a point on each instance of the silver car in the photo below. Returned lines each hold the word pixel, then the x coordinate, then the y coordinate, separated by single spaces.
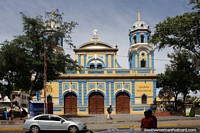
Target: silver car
pixel 53 122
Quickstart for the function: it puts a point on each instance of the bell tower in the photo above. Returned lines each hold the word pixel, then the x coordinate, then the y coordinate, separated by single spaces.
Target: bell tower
pixel 141 53
pixel 54 33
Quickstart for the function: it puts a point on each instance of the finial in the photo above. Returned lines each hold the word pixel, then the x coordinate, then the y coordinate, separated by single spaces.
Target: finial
pixel 95 32
pixel 95 37
pixel 139 14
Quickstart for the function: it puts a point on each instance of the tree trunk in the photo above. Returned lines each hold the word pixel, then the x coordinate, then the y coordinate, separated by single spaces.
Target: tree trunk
pixel 175 100
pixel 184 98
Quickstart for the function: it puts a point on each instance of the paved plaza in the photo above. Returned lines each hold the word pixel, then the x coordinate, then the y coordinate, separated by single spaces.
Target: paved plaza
pixel 98 122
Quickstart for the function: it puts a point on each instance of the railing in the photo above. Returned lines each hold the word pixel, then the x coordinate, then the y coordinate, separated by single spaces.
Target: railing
pixel 114 71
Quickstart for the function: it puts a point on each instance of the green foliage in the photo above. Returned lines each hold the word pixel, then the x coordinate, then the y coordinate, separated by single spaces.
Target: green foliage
pixel 180 32
pixel 23 57
pixel 169 107
pixel 187 71
pixel 180 76
pixel 14 66
pixel 166 94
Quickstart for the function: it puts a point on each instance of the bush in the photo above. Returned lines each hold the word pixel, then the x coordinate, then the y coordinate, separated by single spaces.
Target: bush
pixel 169 107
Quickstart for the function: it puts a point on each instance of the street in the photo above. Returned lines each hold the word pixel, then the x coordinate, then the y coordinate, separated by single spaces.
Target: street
pixel 121 130
pixel 26 131
pixel 120 123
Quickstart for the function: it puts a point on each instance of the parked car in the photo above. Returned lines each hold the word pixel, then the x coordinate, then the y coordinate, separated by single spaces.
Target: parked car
pixel 53 122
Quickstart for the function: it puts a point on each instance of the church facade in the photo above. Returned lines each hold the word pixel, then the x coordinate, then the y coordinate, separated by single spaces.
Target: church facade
pixel 103 82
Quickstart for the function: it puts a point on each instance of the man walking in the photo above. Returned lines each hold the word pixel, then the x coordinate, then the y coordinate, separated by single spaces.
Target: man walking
pixel 109 110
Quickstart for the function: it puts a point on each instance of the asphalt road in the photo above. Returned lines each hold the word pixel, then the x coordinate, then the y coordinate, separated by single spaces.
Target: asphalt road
pixel 26 131
pixel 161 130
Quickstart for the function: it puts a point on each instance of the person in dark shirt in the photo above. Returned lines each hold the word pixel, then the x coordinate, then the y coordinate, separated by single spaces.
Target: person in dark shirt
pixel 154 118
pixel 147 122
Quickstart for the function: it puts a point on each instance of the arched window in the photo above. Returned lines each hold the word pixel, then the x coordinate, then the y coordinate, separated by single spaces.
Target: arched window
pixel 143 63
pixel 142 38
pixel 99 66
pixel 148 38
pixel 92 66
pixel 49 99
pixel 135 39
pixel 144 99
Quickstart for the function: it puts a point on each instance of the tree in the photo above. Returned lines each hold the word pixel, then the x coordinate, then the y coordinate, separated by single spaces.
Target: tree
pixel 180 32
pixel 180 76
pixel 166 94
pixel 169 82
pixel 187 73
pixel 29 52
pixel 14 67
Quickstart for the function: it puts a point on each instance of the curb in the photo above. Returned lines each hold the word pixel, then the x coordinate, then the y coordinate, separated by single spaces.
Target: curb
pixel 165 125
pixel 10 129
pixel 122 127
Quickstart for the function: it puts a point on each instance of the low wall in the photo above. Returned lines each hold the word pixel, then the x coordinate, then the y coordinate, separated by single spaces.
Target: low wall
pixel 162 113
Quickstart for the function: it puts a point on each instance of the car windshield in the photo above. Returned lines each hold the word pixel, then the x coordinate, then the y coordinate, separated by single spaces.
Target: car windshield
pixel 65 118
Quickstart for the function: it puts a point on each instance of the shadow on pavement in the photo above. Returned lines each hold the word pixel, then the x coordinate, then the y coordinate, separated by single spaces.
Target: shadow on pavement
pixel 57 131
pixel 75 116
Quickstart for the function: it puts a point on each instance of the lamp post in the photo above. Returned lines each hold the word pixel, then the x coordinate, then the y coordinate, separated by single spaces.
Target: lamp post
pixel 52 26
pixel 45 81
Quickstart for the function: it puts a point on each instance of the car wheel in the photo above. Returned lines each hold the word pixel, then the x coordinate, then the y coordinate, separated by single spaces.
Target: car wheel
pixel 73 129
pixel 34 129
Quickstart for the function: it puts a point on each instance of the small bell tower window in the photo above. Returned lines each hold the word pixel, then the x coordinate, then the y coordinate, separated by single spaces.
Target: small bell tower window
pixel 142 38
pixel 143 63
pixel 135 39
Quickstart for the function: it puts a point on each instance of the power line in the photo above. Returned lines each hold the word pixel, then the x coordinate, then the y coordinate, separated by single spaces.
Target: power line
pixel 145 58
pixel 127 56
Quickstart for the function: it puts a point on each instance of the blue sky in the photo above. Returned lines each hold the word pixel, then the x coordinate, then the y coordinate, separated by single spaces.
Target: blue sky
pixel 112 18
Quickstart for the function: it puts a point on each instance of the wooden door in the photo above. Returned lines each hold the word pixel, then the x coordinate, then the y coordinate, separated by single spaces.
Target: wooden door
pixel 122 103
pixel 70 104
pixel 96 103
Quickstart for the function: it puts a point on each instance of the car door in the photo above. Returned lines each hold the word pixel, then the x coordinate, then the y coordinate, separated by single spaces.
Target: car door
pixel 43 122
pixel 57 123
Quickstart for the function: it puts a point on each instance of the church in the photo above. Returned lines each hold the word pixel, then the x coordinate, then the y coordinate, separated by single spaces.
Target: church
pixel 103 82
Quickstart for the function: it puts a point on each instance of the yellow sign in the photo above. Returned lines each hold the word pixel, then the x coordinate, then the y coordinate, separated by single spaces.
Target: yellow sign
pixel 143 90
pixel 143 86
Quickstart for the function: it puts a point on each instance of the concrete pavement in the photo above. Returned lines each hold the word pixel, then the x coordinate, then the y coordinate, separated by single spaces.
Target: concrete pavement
pixel 99 121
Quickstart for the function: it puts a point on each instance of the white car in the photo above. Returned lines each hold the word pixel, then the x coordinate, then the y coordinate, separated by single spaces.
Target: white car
pixel 53 122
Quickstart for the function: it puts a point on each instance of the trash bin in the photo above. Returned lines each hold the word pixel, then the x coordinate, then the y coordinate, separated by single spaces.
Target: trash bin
pixel 189 110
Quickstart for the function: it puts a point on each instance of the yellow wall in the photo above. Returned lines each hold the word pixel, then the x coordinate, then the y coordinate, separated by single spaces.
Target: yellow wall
pixel 143 88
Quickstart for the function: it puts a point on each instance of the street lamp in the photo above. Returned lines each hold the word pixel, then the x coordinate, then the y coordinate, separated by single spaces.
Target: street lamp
pixel 45 80
pixel 52 26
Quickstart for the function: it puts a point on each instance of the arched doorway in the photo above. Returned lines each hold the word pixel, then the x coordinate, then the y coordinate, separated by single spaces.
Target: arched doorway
pixel 96 103
pixel 122 103
pixel 70 101
pixel 49 104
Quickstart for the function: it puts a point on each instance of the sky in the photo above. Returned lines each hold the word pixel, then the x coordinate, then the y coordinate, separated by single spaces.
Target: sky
pixel 112 19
